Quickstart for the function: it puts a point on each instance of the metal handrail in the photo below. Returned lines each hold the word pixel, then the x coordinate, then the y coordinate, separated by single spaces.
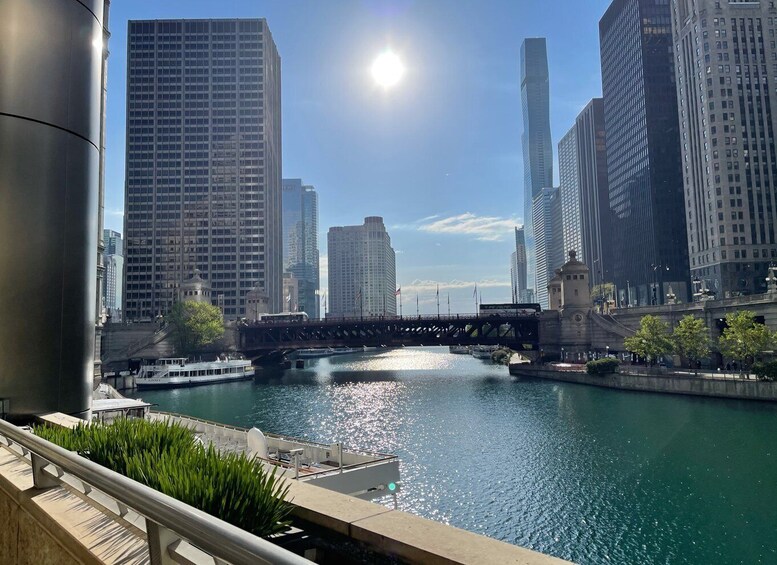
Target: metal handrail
pixel 181 418
pixel 162 512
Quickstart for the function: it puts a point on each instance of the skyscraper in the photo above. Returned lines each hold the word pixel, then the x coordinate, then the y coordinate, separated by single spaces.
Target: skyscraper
pixel 726 72
pixel 203 182
pixel 113 259
pixel 536 140
pixel 594 194
pixel 300 241
pixel 518 268
pixel 643 151
pixel 569 192
pixel 547 219
pixel 362 270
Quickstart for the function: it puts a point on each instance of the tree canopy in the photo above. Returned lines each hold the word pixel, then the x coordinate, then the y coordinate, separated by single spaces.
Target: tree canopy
pixel 744 338
pixel 195 325
pixel 691 339
pixel 651 340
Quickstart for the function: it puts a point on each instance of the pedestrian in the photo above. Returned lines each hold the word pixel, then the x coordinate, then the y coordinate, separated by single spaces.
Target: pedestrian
pixel 728 366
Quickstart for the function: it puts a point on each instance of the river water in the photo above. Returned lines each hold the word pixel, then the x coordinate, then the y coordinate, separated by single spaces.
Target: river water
pixel 591 475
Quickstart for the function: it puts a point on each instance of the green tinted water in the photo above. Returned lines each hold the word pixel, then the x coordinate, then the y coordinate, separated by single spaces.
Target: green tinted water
pixel 591 475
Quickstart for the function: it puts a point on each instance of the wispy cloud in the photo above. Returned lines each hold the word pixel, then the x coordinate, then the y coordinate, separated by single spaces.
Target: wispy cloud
pixel 114 212
pixel 426 286
pixel 482 228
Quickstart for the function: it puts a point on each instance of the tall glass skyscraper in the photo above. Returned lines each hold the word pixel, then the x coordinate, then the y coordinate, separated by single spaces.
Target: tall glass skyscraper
pixel 547 220
pixel 300 242
pixel 594 194
pixel 569 192
pixel 536 140
pixel 643 151
pixel 203 182
pixel 113 260
pixel 518 268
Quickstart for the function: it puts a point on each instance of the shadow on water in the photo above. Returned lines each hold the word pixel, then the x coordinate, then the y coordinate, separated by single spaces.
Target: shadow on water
pixel 348 377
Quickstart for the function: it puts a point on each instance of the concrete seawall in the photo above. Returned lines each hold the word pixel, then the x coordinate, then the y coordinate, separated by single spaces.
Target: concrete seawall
pixel 669 384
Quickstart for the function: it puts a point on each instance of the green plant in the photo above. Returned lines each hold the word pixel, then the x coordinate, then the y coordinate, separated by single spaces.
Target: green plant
pixel 602 366
pixel 164 456
pixel 691 339
pixel 744 338
pixel 195 325
pixel 765 371
pixel 651 340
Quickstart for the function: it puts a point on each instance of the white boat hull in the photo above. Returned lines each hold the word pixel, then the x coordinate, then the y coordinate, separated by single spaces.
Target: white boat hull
pixel 173 382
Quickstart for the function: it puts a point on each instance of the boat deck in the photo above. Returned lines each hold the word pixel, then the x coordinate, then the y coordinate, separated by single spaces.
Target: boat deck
pixel 358 473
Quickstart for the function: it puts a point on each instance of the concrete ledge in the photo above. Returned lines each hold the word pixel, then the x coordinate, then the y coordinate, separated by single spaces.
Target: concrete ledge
pixel 56 526
pixel 60 420
pixel 77 530
pixel 402 535
pixel 668 384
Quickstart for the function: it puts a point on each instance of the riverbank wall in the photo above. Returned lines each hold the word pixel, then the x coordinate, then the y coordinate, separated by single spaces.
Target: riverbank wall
pixel 668 384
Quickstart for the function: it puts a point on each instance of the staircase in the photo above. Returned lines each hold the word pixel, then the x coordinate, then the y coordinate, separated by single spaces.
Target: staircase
pixel 608 323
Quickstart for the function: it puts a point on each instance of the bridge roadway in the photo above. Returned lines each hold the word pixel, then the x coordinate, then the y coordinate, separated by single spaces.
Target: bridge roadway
pixel 258 339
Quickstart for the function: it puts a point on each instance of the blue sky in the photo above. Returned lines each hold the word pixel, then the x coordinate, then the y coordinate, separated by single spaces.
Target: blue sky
pixel 438 156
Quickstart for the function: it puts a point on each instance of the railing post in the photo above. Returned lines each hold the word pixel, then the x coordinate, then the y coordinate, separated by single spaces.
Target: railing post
pixel 39 477
pixel 159 540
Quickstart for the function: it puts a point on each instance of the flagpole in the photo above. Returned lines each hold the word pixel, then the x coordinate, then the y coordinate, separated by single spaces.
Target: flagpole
pixel 449 304
pixel 400 302
pixel 438 300
pixel 417 311
pixel 475 295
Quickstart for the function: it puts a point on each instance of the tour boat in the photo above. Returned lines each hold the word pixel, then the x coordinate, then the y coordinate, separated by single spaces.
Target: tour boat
pixel 459 349
pixel 483 351
pixel 314 353
pixel 179 372
pixel 318 352
pixel 346 350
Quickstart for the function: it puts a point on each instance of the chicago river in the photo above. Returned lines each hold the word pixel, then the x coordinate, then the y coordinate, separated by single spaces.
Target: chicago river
pixel 588 474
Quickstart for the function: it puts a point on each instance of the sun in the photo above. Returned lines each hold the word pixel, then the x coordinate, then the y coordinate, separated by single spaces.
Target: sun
pixel 387 69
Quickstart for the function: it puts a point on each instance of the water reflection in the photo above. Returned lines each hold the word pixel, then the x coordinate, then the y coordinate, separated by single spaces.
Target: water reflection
pixel 588 474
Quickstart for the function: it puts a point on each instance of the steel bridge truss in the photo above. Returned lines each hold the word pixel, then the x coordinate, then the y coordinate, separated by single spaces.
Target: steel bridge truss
pixel 518 333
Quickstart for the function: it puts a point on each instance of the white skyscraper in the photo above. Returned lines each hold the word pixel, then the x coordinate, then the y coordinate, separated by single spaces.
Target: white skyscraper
pixel 569 192
pixel 549 241
pixel 362 270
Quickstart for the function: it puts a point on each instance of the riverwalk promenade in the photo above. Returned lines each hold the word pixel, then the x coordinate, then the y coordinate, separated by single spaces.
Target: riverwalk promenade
pixel 642 379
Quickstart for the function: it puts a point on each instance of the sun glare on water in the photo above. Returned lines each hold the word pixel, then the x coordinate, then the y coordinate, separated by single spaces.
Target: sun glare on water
pixel 387 69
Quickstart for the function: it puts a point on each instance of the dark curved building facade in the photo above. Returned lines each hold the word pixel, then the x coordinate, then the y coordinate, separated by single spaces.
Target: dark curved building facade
pixel 51 78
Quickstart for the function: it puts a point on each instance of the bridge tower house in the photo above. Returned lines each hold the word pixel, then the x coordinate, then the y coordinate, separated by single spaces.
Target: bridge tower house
pixel 574 309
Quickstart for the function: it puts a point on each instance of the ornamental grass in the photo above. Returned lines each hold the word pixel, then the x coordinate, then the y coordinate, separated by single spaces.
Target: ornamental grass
pixel 165 457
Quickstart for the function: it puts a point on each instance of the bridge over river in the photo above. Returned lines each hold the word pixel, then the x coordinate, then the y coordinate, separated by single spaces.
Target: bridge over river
pixel 265 337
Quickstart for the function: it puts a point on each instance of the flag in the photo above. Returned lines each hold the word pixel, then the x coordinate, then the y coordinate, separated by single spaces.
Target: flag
pixel 288 299
pixel 358 296
pixel 475 293
pixel 398 292
pixel 438 291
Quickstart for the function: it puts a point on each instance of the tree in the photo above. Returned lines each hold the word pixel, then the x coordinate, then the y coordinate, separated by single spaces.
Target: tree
pixel 651 340
pixel 691 339
pixel 744 338
pixel 195 325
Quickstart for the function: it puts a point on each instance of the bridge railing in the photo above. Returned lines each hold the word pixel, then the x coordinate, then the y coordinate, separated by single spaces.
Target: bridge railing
pixel 362 319
pixel 168 521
